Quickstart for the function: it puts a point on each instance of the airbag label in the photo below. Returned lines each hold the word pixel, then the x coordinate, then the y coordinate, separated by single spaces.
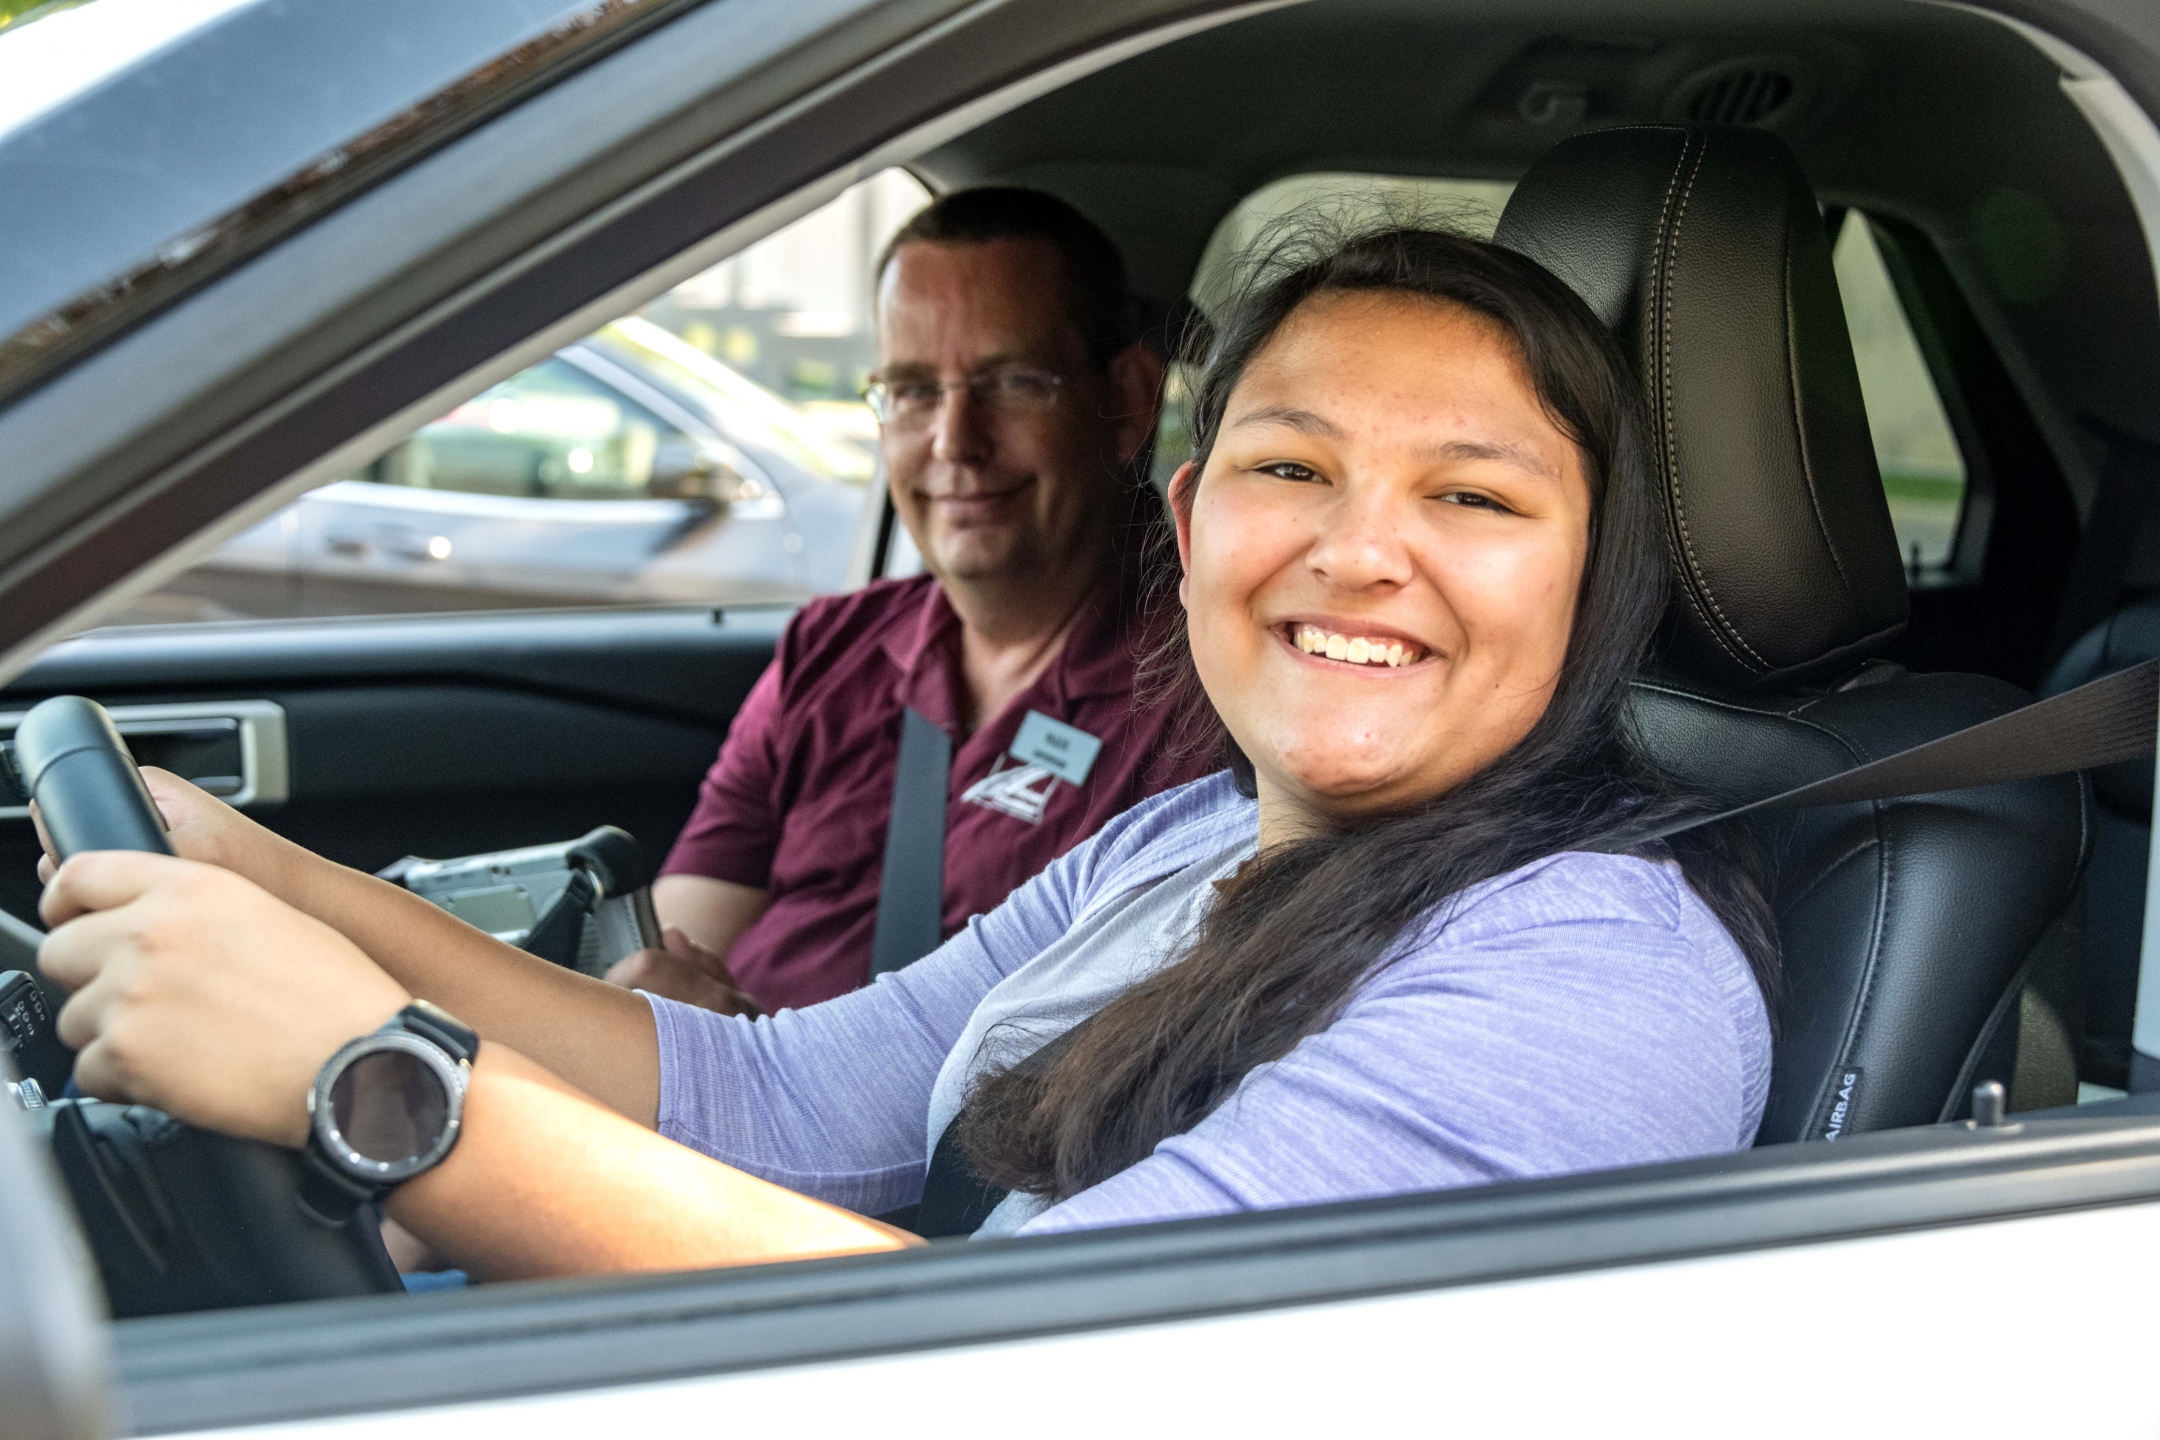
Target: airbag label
pixel 1843 1098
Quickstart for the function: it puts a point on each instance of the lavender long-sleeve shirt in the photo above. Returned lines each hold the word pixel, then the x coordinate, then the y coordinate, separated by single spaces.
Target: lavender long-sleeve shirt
pixel 1580 1013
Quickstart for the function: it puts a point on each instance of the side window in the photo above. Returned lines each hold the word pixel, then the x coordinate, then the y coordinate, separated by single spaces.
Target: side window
pixel 720 429
pixel 1923 472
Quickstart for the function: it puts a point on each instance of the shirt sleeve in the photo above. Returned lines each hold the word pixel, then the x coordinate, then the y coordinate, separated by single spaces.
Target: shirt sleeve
pixel 1517 1043
pixel 734 831
pixel 832 1100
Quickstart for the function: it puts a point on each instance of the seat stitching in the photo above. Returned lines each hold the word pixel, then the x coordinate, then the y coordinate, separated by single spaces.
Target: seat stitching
pixel 1831 869
pixel 1807 464
pixel 1673 552
pixel 1886 883
pixel 1668 250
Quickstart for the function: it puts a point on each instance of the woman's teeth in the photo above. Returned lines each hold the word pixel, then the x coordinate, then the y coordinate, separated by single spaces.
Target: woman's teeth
pixel 1357 649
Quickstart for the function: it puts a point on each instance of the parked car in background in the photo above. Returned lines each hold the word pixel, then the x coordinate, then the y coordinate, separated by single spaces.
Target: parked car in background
pixel 629 466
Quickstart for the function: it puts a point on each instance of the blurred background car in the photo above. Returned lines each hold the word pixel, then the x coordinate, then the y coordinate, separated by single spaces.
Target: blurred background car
pixel 628 467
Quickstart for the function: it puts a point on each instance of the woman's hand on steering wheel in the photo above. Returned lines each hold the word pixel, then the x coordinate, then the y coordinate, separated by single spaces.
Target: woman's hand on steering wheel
pixel 195 991
pixel 205 828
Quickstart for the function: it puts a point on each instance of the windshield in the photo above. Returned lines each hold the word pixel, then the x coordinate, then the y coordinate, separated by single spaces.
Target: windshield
pixel 49 52
pixel 146 145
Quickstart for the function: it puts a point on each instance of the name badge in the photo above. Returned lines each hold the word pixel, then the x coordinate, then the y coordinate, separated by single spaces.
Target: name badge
pixel 1064 750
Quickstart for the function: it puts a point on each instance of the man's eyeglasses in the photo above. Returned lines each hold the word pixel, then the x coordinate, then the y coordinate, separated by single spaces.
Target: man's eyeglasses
pixel 1009 390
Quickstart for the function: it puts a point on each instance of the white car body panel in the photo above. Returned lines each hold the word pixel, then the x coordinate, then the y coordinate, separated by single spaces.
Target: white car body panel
pixel 1846 1338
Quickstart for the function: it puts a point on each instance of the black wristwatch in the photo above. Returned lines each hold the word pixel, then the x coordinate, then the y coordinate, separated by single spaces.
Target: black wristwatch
pixel 383 1109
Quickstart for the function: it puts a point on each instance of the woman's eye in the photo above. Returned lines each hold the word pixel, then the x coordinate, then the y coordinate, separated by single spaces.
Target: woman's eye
pixel 1289 470
pixel 1475 501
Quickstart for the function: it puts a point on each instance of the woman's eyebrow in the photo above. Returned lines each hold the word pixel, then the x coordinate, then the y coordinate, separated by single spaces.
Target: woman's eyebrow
pixel 1507 452
pixel 1303 421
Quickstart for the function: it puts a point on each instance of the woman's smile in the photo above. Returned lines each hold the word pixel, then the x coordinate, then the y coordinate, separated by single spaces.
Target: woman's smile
pixel 1358 646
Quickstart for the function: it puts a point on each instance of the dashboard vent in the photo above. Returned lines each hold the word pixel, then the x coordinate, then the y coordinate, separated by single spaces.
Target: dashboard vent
pixel 1746 93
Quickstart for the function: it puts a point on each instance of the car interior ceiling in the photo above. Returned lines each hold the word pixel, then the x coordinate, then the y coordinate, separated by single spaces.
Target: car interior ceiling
pixel 2044 342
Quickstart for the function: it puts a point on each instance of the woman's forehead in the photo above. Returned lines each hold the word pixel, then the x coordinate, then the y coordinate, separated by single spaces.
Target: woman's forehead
pixel 1399 367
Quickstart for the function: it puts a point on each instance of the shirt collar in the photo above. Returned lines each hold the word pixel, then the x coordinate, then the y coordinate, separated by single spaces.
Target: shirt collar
pixel 1098 657
pixel 925 652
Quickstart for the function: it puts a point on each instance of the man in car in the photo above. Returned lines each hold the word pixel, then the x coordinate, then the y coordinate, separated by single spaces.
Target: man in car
pixel 1016 404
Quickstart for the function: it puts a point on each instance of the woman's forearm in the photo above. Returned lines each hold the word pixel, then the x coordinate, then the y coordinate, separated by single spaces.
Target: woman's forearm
pixel 598 1037
pixel 544 1182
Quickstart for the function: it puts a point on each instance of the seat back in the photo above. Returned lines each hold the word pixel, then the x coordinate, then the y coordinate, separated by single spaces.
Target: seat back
pixel 1908 925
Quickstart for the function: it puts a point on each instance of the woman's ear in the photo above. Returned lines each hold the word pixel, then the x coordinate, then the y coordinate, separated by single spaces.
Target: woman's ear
pixel 1180 496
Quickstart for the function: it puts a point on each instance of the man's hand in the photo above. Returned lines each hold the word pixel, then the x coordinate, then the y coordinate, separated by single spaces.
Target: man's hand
pixel 198 993
pixel 684 971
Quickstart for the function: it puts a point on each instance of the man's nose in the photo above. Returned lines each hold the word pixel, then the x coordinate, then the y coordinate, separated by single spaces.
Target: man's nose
pixel 1360 542
pixel 958 434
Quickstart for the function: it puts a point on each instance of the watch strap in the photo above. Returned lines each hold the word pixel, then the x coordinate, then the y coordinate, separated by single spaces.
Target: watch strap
pixel 439 1027
pixel 327 1194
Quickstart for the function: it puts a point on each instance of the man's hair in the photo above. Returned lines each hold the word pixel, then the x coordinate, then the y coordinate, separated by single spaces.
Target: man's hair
pixel 1095 295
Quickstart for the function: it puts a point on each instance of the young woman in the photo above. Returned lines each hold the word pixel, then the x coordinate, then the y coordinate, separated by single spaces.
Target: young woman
pixel 1398 945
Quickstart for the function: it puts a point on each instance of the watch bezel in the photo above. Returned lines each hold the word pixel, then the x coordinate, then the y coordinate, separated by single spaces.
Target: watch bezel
pixel 322 1117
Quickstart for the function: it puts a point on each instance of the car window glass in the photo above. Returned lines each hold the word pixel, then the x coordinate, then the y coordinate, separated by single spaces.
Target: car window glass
pixel 552 432
pixel 68 55
pixel 712 449
pixel 1923 472
pixel 228 149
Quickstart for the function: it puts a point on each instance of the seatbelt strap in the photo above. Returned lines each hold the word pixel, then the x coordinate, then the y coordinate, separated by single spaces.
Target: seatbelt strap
pixel 911 890
pixel 2099 723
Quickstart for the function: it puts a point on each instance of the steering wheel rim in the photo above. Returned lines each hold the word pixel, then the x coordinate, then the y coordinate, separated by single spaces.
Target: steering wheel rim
pixel 79 772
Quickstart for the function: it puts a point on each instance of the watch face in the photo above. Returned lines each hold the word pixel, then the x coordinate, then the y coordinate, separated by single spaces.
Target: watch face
pixel 390 1106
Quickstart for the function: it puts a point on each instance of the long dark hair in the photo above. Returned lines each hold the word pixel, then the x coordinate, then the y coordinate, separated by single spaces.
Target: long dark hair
pixel 1302 925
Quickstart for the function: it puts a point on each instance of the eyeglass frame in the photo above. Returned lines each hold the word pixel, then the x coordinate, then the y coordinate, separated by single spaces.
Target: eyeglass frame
pixel 877 388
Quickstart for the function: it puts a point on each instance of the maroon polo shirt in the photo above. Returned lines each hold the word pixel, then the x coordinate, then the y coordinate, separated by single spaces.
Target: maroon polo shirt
pixel 797 802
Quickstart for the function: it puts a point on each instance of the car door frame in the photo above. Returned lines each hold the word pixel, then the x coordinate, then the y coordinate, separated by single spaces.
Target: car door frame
pixel 381 352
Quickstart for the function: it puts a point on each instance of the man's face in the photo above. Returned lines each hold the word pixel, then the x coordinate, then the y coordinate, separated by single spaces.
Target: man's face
pixel 996 488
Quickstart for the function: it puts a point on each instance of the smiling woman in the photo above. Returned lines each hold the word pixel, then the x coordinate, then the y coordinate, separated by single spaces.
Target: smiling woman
pixel 1422 448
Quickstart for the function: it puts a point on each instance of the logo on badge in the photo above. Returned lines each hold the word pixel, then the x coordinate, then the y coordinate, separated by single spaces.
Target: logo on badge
pixel 1020 791
pixel 1047 752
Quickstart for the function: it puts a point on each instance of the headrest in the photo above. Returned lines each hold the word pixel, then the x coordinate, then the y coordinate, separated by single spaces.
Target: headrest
pixel 1703 248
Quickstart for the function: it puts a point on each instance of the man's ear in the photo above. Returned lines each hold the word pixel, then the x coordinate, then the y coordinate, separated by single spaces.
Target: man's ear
pixel 1136 392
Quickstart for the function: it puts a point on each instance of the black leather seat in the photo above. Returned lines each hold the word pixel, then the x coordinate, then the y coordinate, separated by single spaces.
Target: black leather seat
pixel 2122 837
pixel 1908 926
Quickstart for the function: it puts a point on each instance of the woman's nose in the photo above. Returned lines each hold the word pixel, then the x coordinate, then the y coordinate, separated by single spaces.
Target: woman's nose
pixel 1360 543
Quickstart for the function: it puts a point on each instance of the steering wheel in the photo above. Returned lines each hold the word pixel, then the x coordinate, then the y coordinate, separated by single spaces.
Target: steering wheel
pixel 179 1218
